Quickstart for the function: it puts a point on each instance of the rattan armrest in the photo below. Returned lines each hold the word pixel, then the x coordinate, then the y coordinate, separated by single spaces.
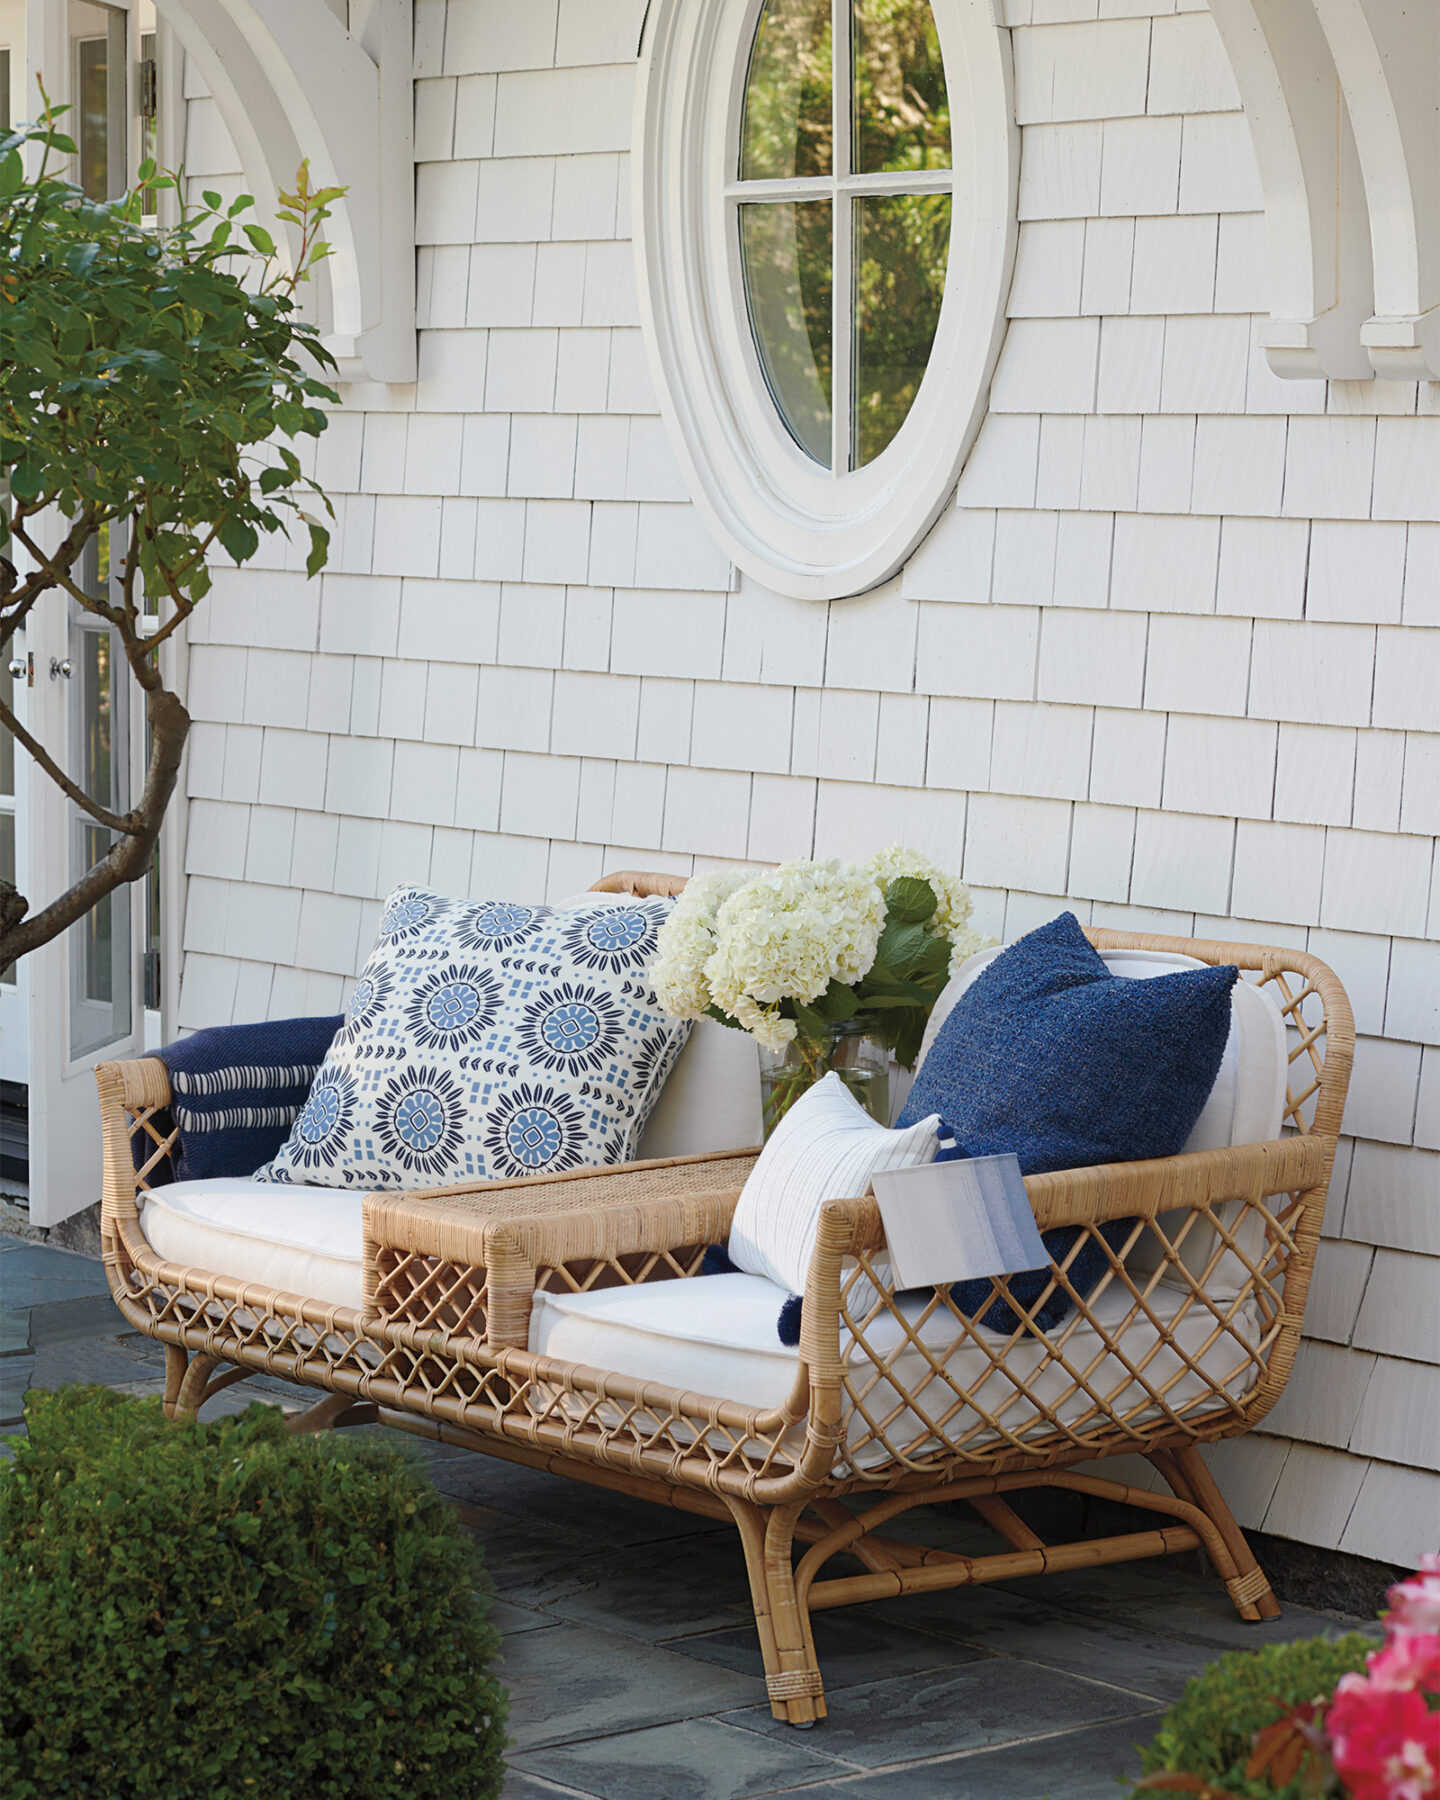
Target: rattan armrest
pixel 132 1086
pixel 131 1093
pixel 1074 1197
pixel 1133 1190
pixel 512 1230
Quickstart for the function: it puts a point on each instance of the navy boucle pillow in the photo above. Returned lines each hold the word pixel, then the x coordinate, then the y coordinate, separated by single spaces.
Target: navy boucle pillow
pixel 1049 1056
pixel 235 1091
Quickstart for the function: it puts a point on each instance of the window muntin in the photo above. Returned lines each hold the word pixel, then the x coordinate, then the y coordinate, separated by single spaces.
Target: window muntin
pixel 843 209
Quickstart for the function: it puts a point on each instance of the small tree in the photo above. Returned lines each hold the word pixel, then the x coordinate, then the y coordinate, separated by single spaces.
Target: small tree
pixel 146 389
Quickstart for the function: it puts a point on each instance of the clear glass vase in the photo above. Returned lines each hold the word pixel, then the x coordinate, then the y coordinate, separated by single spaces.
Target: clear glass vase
pixel 862 1062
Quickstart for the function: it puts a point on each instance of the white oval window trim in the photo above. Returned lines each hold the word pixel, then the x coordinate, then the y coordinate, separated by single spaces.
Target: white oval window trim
pixel 795 527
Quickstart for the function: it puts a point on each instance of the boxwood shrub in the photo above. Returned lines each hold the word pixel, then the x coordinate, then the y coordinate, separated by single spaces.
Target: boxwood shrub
pixel 226 1612
pixel 1210 1731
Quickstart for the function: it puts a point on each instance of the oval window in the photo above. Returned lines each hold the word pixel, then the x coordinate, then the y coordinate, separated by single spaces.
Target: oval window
pixel 825 231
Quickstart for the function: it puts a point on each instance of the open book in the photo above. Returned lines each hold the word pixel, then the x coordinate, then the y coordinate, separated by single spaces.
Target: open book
pixel 957 1221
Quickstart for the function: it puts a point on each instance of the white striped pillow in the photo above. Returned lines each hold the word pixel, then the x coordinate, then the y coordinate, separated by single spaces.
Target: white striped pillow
pixel 827 1147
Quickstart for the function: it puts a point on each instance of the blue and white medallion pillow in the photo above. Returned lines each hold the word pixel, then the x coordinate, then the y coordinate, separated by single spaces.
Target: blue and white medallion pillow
pixel 486 1040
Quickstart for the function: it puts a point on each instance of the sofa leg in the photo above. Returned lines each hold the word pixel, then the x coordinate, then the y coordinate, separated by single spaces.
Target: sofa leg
pixel 1248 1588
pixel 186 1378
pixel 792 1675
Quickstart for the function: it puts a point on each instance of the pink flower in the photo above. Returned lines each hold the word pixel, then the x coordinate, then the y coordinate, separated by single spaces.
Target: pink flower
pixel 1409 1659
pixel 1385 1741
pixel 1415 1603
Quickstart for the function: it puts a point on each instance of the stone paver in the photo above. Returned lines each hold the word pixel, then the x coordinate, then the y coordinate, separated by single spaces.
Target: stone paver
pixel 631 1657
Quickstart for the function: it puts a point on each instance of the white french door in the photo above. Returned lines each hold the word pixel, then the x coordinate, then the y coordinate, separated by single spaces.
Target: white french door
pixel 81 998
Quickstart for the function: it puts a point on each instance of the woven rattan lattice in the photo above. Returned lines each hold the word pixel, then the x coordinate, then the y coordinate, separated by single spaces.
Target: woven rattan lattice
pixel 896 1403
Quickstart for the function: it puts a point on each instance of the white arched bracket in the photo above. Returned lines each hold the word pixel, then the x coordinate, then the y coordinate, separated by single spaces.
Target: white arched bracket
pixel 293 83
pixel 1387 54
pixel 1315 215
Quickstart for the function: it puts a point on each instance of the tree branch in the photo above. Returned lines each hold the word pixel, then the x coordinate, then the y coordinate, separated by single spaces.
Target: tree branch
pixel 101 814
pixel 127 858
pixel 60 574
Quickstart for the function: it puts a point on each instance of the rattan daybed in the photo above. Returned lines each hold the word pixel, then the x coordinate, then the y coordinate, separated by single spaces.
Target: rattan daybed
pixel 475 1299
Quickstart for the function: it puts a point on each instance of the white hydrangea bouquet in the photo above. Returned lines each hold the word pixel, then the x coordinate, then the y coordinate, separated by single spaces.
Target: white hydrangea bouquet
pixel 816 960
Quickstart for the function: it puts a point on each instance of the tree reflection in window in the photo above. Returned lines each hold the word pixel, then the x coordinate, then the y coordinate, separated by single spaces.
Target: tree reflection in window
pixel 844 249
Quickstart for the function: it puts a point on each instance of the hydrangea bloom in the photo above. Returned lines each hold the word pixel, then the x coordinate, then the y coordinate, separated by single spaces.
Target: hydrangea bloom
pixel 786 935
pixel 756 945
pixel 687 939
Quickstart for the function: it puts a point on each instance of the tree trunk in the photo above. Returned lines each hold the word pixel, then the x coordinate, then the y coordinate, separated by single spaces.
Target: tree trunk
pixel 129 856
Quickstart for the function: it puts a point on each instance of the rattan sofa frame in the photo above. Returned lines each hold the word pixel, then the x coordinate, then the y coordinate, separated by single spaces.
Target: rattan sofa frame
pixel 440 1346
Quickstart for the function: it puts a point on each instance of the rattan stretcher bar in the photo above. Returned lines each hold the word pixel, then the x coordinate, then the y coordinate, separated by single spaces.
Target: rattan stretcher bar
pixel 889 1409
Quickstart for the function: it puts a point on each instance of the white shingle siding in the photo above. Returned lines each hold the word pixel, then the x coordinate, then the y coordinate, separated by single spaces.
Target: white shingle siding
pixel 1170 658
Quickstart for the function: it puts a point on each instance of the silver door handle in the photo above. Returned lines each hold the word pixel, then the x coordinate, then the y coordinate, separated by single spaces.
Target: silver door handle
pixel 17 668
pixel 59 668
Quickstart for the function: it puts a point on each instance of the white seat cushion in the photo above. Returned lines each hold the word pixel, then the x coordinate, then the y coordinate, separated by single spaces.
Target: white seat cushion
pixel 715 1335
pixel 301 1240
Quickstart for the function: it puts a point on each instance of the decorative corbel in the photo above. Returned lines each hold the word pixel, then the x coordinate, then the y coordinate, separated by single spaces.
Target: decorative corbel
pixel 293 81
pixel 1315 211
pixel 1387 53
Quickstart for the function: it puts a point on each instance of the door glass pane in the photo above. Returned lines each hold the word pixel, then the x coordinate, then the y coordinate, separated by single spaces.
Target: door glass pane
pixel 7 787
pixel 786 251
pixel 788 127
pixel 7 741
pixel 902 244
pixel 98 695
pixel 98 121
pixel 7 873
pixel 902 109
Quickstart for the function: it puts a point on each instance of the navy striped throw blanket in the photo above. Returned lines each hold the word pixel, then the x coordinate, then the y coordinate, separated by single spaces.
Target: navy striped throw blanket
pixel 235 1091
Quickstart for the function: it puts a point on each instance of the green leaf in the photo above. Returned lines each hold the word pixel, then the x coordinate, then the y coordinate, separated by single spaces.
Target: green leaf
pixel 837 1003
pixel 239 539
pixel 909 900
pixel 26 481
pixel 212 199
pixel 810 1023
pixel 900 946
pixel 12 173
pixel 272 479
pixel 319 549
pixel 260 239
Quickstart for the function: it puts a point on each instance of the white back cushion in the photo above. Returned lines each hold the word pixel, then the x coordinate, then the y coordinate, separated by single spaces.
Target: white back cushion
pixel 827 1147
pixel 1246 1104
pixel 711 1098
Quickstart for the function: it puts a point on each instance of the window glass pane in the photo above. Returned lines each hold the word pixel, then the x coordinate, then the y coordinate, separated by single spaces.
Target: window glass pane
pixel 786 250
pixel 788 127
pixel 901 249
pixel 902 111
